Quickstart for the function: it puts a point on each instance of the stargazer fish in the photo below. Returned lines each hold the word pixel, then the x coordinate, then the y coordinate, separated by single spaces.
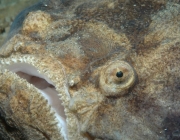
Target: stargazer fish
pixel 92 70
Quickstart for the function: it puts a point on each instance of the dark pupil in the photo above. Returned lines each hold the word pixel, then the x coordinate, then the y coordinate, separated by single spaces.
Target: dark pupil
pixel 119 74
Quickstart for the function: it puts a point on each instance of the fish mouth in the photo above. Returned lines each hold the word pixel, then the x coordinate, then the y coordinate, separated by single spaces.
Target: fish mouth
pixel 46 88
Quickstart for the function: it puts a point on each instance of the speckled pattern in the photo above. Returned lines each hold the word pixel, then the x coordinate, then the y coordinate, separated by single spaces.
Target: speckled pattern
pixel 80 46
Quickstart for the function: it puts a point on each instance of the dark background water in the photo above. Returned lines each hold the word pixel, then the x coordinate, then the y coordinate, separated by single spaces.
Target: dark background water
pixel 9 9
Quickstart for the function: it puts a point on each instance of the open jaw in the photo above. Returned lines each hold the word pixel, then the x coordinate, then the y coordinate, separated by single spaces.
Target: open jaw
pixel 46 87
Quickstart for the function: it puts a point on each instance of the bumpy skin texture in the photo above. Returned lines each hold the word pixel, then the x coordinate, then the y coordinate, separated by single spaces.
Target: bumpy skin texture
pixel 83 43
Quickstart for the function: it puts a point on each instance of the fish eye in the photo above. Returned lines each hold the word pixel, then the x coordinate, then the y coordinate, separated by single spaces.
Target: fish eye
pixel 119 74
pixel 116 78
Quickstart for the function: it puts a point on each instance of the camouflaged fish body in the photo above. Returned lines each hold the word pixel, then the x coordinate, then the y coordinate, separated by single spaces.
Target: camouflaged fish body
pixel 92 70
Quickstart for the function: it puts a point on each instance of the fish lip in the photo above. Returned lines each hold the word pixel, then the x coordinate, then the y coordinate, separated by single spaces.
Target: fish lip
pixel 62 125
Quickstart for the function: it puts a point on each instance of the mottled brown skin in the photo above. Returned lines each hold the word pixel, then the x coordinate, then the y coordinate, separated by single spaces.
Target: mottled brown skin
pixel 86 36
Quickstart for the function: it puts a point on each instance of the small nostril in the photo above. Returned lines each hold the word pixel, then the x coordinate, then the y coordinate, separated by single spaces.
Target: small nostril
pixel 119 74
